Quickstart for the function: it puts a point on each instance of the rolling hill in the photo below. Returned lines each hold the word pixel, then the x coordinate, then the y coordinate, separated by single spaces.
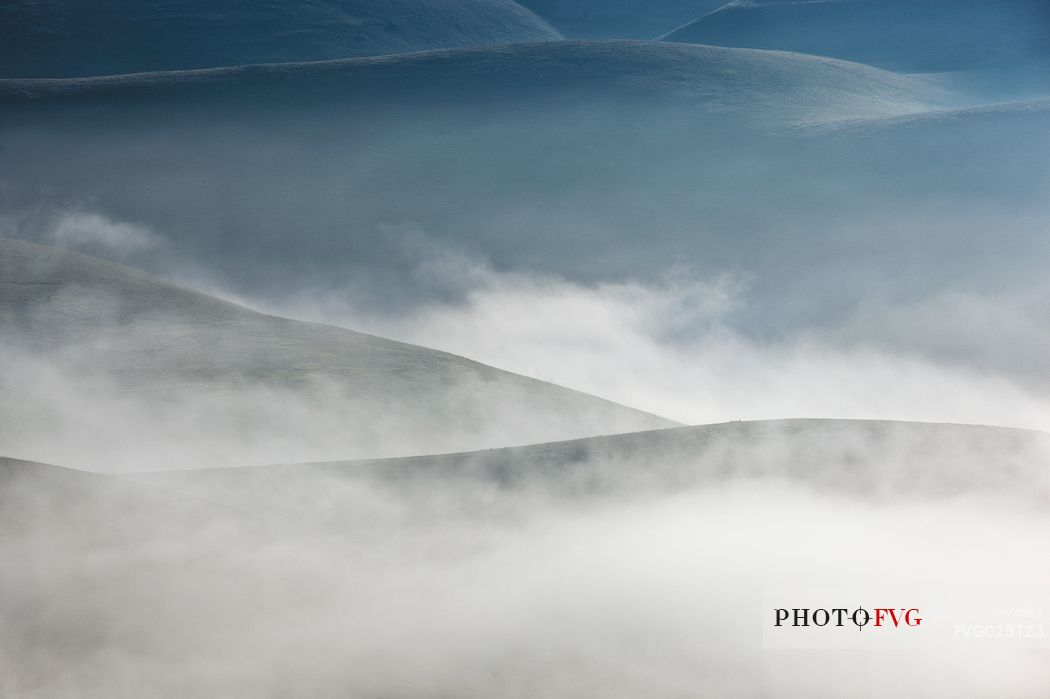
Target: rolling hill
pixel 913 36
pixel 586 160
pixel 761 86
pixel 123 589
pixel 874 461
pixel 65 38
pixel 101 355
pixel 251 506
pixel 556 155
pixel 38 498
pixel 233 582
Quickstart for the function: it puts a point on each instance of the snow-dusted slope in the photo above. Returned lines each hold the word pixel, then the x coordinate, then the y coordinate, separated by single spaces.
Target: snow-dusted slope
pixel 106 362
pixel 905 35
pixel 63 38
pixel 619 19
pixel 1008 117
pixel 872 460
pixel 42 497
pixel 568 155
pixel 585 160
pixel 759 86
pixel 986 153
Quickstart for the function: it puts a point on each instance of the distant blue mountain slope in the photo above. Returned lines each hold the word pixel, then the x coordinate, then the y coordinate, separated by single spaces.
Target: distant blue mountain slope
pixel 70 38
pixel 903 35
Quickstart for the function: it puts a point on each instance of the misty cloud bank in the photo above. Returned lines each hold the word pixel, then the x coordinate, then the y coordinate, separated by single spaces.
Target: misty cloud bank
pixel 682 347
pixel 516 369
pixel 99 375
pixel 108 368
pixel 415 582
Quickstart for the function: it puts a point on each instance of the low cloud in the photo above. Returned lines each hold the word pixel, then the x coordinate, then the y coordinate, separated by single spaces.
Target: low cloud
pixel 674 347
pixel 633 574
pixel 418 594
pixel 93 233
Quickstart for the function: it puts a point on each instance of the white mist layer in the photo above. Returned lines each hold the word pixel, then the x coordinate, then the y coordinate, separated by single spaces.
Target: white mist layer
pixel 671 348
pixel 660 595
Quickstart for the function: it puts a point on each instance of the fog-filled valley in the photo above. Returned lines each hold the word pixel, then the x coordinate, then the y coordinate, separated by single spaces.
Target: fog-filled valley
pixel 636 568
pixel 543 349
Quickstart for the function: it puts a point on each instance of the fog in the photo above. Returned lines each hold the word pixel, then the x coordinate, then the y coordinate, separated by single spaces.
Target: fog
pixel 466 587
pixel 524 370
pixel 544 158
pixel 54 413
pixel 107 368
pixel 683 346
pixel 649 563
pixel 157 378
pixel 274 201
